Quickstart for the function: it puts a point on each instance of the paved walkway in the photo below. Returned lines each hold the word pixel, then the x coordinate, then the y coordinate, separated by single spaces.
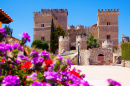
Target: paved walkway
pixel 97 75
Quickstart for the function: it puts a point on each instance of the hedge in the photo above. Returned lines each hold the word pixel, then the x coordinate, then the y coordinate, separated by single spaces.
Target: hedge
pixel 125 48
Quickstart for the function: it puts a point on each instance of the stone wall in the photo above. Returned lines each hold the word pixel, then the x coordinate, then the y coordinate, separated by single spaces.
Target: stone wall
pixel 125 63
pixel 84 55
pixel 90 57
pixel 42 32
pixel 11 40
pixel 83 42
pixel 108 56
pixel 74 60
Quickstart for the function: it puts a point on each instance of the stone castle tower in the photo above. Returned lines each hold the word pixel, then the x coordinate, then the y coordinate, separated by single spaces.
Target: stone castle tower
pixel 64 43
pixel 107 23
pixel 42 22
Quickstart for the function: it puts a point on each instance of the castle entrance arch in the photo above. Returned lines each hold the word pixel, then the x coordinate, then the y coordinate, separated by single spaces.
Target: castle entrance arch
pixel 72 48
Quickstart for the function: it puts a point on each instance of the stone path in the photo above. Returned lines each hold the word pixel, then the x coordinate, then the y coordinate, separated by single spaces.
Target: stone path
pixel 97 75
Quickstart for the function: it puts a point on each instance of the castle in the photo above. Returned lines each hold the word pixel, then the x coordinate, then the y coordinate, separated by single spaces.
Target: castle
pixel 105 29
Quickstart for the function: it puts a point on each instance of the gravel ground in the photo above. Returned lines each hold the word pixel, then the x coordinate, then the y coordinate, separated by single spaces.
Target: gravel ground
pixel 97 75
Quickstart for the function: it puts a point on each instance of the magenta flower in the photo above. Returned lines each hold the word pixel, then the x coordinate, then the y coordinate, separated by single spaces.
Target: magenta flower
pixel 113 83
pixel 3 57
pixel 59 57
pixel 37 60
pixel 2 49
pixel 52 75
pixel 34 53
pixel 8 47
pixel 46 84
pixel 17 46
pixel 2 32
pixel 33 76
pixel 25 36
pixel 68 62
pixel 0 72
pixel 83 76
pixel 17 61
pixel 45 54
pixel 10 80
pixel 36 84
pixel 23 57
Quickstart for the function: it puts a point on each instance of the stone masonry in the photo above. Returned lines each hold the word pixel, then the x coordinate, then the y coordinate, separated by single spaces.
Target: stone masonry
pixel 105 29
pixel 107 23
pixel 90 57
pixel 83 42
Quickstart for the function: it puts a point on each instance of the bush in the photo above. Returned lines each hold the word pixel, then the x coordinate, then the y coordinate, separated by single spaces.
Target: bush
pixel 40 44
pixel 92 42
pixel 125 50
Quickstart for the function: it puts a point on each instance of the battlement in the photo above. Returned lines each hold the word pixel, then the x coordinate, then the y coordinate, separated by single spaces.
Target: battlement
pixel 108 11
pixel 75 28
pixel 49 12
pixel 63 38
pixel 107 43
pixel 81 38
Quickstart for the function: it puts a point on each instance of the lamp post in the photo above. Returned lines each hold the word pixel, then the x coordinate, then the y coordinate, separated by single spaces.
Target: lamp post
pixel 78 52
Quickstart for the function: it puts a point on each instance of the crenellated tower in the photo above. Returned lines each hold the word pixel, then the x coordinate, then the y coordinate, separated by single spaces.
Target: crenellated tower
pixel 64 44
pixel 83 42
pixel 42 22
pixel 107 23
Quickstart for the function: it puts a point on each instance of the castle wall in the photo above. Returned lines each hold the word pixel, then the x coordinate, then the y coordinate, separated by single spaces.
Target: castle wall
pixel 42 32
pixel 108 30
pixel 83 42
pixel 91 30
pixel 42 20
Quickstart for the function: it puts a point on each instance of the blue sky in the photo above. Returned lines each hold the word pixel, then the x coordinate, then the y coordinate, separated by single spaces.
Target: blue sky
pixel 82 12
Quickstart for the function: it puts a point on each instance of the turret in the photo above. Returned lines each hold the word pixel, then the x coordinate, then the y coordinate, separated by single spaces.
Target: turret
pixel 63 44
pixel 107 44
pixel 125 38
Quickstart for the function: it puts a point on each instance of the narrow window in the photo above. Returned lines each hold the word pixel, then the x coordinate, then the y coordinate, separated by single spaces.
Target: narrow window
pixel 108 23
pixel 108 36
pixel 43 38
pixel 42 25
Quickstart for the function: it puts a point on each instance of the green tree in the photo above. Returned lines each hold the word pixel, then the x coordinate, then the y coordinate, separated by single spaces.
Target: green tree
pixel 40 44
pixel 52 38
pixel 8 30
pixel 92 42
pixel 58 32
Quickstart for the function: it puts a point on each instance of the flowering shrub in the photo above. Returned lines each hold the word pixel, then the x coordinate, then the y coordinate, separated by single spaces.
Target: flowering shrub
pixel 39 69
